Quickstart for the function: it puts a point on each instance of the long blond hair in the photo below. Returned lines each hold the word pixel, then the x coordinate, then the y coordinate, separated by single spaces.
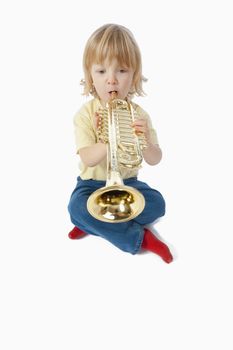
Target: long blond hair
pixel 113 41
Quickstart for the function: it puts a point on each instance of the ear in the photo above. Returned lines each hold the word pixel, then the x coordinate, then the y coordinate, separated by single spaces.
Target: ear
pixel 93 90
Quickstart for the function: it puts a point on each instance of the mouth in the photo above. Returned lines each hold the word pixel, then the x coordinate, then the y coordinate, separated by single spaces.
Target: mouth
pixel 113 93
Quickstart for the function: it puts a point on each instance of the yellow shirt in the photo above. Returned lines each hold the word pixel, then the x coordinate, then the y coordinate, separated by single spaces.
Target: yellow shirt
pixel 86 135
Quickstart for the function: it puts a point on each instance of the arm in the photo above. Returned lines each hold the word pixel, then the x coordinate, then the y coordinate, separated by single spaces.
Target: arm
pixel 94 154
pixel 90 150
pixel 152 154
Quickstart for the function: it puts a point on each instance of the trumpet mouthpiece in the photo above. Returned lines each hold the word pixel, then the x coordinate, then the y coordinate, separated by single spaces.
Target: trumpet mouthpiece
pixel 113 95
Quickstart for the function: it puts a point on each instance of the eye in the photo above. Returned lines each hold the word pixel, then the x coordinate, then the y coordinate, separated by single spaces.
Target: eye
pixel 101 71
pixel 123 70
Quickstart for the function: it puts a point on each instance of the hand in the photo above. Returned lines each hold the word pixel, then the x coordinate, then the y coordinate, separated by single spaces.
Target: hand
pixel 141 127
pixel 97 123
pixel 97 120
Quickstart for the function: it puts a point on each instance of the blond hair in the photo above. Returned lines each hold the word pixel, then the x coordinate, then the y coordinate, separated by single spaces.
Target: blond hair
pixel 112 41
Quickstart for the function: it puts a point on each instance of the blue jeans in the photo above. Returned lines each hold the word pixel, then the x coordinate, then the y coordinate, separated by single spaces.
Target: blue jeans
pixel 127 236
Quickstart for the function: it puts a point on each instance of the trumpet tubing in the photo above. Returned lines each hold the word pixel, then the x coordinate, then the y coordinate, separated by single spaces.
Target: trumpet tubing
pixel 119 115
pixel 116 202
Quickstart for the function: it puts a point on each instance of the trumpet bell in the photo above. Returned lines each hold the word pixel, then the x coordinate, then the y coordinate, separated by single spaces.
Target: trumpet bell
pixel 116 203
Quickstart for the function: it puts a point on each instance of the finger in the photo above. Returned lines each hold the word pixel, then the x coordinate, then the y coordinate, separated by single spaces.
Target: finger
pixel 140 128
pixel 138 122
pixel 139 133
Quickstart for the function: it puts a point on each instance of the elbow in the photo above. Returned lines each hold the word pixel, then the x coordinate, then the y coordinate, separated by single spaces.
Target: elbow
pixel 91 156
pixel 154 161
pixel 155 157
pixel 86 158
pixel 158 158
pixel 88 162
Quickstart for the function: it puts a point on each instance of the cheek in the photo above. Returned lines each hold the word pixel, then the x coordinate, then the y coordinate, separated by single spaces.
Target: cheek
pixel 130 84
pixel 130 81
pixel 97 80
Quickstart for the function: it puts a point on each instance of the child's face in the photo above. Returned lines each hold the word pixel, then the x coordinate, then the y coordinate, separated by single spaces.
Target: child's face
pixel 110 76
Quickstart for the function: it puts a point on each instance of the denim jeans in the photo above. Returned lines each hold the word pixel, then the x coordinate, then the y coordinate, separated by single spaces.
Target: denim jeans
pixel 127 236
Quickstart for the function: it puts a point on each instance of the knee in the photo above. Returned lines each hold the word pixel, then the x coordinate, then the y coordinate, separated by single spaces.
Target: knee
pixel 70 206
pixel 158 208
pixel 75 209
pixel 162 206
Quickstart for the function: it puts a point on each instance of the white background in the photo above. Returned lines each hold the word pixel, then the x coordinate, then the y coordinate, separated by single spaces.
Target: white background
pixel 87 294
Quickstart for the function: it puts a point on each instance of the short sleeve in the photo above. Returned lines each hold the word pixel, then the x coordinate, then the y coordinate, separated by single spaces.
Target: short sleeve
pixel 84 132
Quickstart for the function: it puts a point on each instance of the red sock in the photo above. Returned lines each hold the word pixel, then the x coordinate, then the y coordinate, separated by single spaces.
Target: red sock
pixel 76 233
pixel 153 244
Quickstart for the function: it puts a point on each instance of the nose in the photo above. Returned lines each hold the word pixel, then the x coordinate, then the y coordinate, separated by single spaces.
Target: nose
pixel 112 79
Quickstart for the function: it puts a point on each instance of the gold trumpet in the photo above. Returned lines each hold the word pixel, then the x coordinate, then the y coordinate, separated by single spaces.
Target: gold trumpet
pixel 116 202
